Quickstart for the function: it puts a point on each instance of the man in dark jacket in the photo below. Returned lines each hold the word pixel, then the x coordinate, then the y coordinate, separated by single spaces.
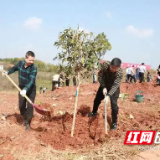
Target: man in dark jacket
pixel 110 77
pixel 27 72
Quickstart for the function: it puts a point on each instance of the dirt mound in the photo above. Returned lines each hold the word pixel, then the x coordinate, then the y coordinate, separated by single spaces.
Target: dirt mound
pixel 87 133
pixel 90 131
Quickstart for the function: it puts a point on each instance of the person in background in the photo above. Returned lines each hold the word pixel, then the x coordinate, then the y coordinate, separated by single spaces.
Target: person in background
pixel 27 72
pixel 158 70
pixel 130 74
pixel 94 76
pixel 133 75
pixel 137 73
pixel 61 80
pixel 149 77
pixel 110 77
pixel 158 79
pixel 126 75
pixel 41 89
pixel 44 89
pixel 157 73
pixel 74 80
pixel 142 70
pixel 67 81
pixel 55 81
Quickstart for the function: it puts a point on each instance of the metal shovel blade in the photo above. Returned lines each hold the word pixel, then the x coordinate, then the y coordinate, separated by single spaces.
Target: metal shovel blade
pixel 41 110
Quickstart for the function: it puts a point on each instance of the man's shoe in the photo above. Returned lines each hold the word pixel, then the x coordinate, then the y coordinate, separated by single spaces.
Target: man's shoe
pixel 114 126
pixel 92 114
pixel 27 127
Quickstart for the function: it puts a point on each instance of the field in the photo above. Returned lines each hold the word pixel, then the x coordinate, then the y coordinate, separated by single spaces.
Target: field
pixel 50 138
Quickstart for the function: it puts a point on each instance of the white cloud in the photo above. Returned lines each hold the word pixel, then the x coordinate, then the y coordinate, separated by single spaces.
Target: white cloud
pixel 140 32
pixel 33 23
pixel 85 30
pixel 108 15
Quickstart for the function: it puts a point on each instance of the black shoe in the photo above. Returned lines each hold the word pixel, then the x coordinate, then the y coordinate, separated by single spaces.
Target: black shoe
pixel 114 126
pixel 92 114
pixel 27 127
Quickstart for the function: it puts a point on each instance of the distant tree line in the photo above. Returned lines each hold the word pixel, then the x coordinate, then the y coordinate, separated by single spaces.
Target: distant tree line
pixel 42 66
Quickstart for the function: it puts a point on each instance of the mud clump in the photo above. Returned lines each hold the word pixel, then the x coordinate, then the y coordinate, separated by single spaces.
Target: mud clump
pixel 49 114
pixel 84 110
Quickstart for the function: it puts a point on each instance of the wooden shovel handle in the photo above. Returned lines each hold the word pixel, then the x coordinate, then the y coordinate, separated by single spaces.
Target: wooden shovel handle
pixel 105 115
pixel 18 88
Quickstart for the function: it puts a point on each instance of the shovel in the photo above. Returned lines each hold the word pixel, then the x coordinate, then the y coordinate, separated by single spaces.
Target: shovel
pixel 105 116
pixel 38 108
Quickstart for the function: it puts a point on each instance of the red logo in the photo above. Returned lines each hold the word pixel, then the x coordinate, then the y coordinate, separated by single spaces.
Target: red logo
pixel 139 137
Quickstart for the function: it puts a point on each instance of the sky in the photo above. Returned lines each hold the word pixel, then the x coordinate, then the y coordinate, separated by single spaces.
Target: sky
pixel 132 27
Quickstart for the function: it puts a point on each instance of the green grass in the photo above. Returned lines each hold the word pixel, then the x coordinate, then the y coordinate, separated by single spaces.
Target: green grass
pixel 43 79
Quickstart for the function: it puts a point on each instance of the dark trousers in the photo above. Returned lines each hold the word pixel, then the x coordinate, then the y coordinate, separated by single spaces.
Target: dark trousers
pixel 67 82
pixel 74 83
pixel 141 77
pixel 133 78
pixel 113 98
pixel 26 109
pixel 54 83
pixel 128 77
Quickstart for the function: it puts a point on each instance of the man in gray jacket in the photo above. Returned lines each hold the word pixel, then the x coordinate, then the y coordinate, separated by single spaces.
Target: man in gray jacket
pixel 110 77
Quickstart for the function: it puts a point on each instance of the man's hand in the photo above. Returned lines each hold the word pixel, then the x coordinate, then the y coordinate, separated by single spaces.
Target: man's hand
pixel 4 73
pixel 23 92
pixel 106 99
pixel 61 80
pixel 104 91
